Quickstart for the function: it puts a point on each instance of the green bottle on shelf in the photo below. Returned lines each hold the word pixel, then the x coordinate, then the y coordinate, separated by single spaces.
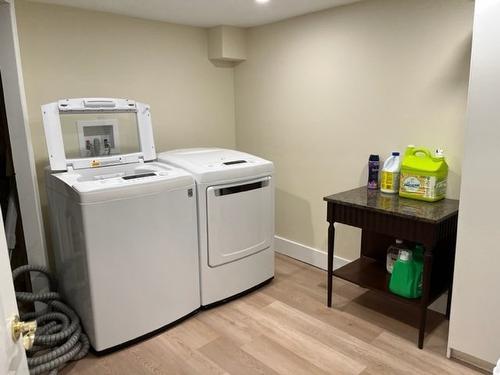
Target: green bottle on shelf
pixel 418 254
pixel 406 278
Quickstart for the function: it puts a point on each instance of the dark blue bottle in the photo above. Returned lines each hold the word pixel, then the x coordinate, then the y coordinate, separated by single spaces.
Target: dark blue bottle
pixel 373 168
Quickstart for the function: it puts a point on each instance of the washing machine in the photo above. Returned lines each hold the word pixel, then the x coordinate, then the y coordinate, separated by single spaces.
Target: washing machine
pixel 235 194
pixel 124 228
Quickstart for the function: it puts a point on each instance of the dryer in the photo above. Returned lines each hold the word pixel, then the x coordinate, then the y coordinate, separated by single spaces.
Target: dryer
pixel 235 194
pixel 124 228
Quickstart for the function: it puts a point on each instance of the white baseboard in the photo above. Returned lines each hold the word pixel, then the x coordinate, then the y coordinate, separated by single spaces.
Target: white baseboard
pixel 318 258
pixel 306 254
pixel 471 360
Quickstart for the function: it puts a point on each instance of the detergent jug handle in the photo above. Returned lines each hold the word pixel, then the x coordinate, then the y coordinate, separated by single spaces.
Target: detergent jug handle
pixel 421 150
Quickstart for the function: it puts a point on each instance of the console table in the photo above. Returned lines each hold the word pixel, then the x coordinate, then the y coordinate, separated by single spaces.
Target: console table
pixel 383 218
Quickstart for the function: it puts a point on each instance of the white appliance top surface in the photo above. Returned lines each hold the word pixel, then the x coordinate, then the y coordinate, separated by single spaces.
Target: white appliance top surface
pixel 216 164
pixel 112 177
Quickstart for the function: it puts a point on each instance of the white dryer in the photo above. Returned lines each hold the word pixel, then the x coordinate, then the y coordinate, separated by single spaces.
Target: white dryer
pixel 235 194
pixel 124 229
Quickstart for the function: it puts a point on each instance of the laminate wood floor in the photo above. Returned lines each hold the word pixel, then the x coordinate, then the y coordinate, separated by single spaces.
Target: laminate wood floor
pixel 285 328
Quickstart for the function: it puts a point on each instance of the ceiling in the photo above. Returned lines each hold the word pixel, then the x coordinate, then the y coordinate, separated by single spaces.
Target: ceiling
pixel 206 13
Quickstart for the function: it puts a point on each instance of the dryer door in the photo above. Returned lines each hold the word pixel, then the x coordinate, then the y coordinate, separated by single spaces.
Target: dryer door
pixel 240 220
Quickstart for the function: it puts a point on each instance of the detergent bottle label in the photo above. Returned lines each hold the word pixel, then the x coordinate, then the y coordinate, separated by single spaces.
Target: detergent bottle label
pixel 423 186
pixel 389 181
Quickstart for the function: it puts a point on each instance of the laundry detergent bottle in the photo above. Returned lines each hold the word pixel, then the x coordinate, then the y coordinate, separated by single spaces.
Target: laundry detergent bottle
pixel 423 176
pixel 389 182
pixel 406 278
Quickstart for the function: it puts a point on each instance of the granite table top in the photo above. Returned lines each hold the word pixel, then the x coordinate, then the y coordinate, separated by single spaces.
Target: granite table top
pixel 393 204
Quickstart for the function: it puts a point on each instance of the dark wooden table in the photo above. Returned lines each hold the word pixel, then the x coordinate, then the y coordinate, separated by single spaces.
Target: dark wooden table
pixel 383 218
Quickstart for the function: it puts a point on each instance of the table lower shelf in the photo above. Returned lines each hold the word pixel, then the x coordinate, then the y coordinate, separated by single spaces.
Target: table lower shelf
pixel 370 274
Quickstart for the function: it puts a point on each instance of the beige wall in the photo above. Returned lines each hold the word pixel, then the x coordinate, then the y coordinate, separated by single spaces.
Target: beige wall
pixel 68 52
pixel 319 93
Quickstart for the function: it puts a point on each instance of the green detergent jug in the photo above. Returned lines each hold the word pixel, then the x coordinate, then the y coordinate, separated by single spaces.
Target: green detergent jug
pixel 406 278
pixel 423 176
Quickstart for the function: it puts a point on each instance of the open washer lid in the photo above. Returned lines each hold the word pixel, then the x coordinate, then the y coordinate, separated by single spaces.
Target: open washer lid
pixel 96 132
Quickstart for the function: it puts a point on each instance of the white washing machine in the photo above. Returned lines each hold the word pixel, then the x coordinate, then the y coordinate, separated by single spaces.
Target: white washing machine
pixel 235 194
pixel 124 229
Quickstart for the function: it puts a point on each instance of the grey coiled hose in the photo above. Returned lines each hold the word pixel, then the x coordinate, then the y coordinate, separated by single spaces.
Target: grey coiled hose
pixel 59 337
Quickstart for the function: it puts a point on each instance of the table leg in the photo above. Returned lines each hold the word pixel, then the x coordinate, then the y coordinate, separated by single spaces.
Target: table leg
pixel 331 244
pixel 426 287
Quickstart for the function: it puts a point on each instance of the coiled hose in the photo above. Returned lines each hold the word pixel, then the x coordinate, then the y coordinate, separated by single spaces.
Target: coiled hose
pixel 58 337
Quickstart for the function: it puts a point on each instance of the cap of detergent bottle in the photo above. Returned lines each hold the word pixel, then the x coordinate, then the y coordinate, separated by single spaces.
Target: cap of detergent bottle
pixel 404 255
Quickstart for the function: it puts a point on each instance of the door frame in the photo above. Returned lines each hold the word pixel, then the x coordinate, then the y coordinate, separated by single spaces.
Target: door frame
pixel 12 354
pixel 20 139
